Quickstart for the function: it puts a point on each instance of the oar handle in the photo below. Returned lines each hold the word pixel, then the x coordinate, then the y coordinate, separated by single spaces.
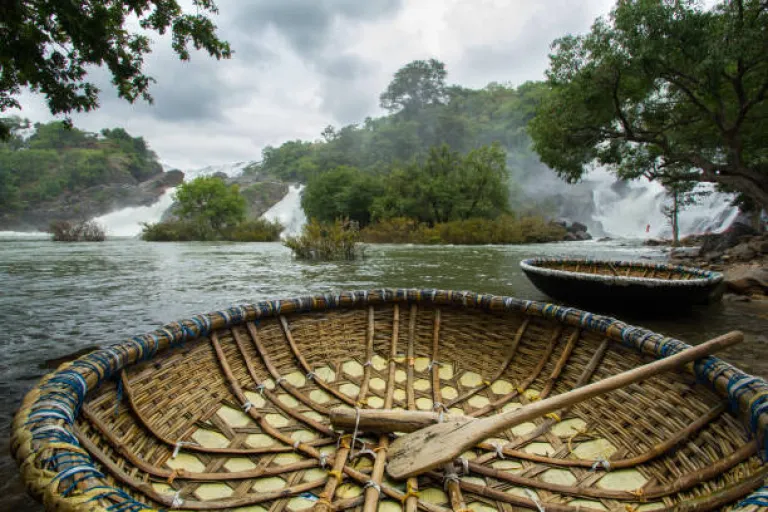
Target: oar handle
pixel 512 418
pixel 386 420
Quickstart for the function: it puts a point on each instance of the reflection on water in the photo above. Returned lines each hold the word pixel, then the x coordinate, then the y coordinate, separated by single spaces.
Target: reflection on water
pixel 57 298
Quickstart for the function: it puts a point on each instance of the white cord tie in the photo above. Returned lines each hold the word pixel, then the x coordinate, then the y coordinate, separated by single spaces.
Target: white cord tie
pixel 260 388
pixel 498 448
pixel 464 464
pixel 447 479
pixel 311 375
pixel 296 445
pixel 373 484
pixel 279 380
pixel 535 499
pixel 441 414
pixel 601 462
pixel 177 501
pixel 365 451
pixel 368 363
pixel 354 433
pixel 323 460
pixel 178 446
pixel 247 406
pixel 433 363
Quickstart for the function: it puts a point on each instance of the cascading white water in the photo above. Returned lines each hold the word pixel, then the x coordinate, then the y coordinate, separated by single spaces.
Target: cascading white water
pixel 288 212
pixel 628 210
pixel 230 170
pixel 128 221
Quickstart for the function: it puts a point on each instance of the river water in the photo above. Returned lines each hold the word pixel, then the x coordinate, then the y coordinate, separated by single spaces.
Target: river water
pixel 58 298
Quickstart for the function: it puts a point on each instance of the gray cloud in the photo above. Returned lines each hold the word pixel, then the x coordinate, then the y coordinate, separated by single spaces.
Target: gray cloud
pixel 306 24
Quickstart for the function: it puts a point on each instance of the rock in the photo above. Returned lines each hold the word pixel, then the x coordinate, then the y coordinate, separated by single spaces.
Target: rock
pixel 731 237
pixel 570 237
pixel 605 239
pixel 741 252
pixel 654 242
pixel 759 244
pixel 747 279
pixel 577 227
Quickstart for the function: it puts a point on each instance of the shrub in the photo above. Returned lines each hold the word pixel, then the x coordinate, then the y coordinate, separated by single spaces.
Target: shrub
pixel 319 241
pixel 505 229
pixel 85 231
pixel 257 230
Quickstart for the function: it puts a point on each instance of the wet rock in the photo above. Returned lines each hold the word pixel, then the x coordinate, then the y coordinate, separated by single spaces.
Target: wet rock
pixel 655 242
pixel 747 280
pixel 741 252
pixel 759 244
pixel 731 237
pixel 577 227
pixel 605 239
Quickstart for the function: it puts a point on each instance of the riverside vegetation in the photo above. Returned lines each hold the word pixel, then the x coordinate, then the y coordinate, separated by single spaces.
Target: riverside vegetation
pixel 209 210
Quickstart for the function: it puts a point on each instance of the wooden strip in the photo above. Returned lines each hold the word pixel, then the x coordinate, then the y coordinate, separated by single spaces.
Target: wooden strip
pixel 279 380
pixel 320 427
pixel 368 356
pixel 680 484
pixel 372 496
pixel 498 404
pixel 413 482
pixel 561 363
pixel 164 474
pixel 127 391
pixel 512 351
pixel 305 366
pixel 450 477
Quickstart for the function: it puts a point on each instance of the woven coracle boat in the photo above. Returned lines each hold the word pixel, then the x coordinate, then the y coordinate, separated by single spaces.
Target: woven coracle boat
pixel 627 284
pixel 229 411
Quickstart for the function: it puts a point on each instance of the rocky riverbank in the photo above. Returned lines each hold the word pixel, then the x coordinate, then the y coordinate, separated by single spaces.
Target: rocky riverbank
pixel 91 202
pixel 740 253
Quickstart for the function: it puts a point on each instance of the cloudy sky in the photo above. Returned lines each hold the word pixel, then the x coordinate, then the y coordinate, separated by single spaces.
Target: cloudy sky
pixel 300 65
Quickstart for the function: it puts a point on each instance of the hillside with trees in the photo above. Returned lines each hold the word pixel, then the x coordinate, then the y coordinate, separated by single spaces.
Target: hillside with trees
pixel 55 172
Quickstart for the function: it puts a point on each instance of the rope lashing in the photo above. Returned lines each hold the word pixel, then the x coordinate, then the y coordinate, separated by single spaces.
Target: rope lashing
pixel 335 473
pixel 553 416
pixel 172 477
pixel 247 406
pixel 433 363
pixel 410 492
pixel 441 411
pixel 178 446
pixel 296 445
pixel 354 432
pixel 499 450
pixel 311 375
pixel 368 363
pixel 373 485
pixel 260 388
pixel 177 501
pixel 601 462
pixel 464 464
pixel 448 478
pixel 535 498
pixel 365 451
pixel 640 493
pixel 279 380
pixel 323 460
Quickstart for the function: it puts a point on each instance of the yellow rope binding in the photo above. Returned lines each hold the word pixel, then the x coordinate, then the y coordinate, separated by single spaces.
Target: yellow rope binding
pixel 554 416
pixel 336 474
pixel 410 492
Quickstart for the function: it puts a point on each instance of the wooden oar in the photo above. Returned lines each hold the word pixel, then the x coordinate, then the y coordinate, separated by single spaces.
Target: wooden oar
pixel 387 420
pixel 424 449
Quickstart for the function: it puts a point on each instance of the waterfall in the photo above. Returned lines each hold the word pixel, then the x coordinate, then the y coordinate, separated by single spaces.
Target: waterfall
pixel 626 209
pixel 288 212
pixel 127 221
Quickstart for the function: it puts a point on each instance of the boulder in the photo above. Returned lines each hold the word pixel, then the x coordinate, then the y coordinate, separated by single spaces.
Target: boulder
pixel 731 237
pixel 742 252
pixel 759 244
pixel 747 279
pixel 577 227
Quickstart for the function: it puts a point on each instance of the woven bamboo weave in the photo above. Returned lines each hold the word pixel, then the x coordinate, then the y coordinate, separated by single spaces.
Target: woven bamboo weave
pixel 229 411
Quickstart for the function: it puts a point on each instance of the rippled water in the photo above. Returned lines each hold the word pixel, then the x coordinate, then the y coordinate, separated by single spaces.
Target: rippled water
pixel 58 298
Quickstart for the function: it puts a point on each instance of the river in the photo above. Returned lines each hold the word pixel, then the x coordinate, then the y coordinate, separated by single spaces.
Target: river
pixel 57 298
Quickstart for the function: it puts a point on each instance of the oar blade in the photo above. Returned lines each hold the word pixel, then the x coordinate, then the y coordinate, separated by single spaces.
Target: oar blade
pixel 430 447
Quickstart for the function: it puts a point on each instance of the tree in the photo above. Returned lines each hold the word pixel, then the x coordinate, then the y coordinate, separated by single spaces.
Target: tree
pixel 49 46
pixel 659 86
pixel 210 203
pixel 343 193
pixel 416 85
